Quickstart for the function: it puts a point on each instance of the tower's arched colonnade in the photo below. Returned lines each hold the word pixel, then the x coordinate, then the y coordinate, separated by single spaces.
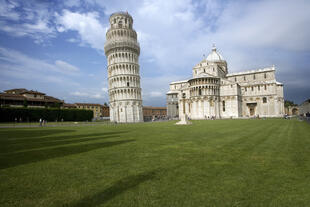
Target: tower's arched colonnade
pixel 122 51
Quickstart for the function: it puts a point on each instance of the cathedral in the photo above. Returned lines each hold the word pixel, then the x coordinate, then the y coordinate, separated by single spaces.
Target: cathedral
pixel 212 92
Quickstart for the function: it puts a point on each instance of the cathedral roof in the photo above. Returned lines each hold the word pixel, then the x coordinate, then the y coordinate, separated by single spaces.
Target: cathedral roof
pixel 214 56
pixel 252 71
pixel 182 81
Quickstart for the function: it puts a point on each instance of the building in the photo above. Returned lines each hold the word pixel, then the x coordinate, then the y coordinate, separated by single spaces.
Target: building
pixel 214 93
pixel 122 51
pixel 96 108
pixel 69 106
pixel 150 113
pixel 21 97
pixel 105 111
pixel 304 107
pixel 292 110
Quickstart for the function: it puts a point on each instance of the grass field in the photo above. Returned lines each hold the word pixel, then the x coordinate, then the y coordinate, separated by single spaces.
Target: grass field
pixel 209 163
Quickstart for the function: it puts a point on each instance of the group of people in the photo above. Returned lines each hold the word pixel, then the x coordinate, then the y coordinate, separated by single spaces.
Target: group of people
pixel 42 122
pixel 210 117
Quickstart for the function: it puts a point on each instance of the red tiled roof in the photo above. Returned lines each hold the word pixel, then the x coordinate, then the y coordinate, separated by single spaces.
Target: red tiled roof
pixel 9 96
pixel 88 104
pixel 32 92
pixel 16 90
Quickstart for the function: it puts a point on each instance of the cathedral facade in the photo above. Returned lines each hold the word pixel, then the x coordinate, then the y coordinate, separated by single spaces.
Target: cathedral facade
pixel 214 93
pixel 122 51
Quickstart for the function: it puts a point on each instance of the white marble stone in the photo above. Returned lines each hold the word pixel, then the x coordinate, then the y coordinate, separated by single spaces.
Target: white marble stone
pixel 122 51
pixel 213 92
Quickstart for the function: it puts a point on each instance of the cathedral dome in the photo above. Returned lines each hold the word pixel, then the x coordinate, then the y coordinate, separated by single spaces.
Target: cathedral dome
pixel 214 56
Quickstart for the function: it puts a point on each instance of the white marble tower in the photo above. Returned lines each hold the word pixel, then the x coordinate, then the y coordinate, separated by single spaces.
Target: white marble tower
pixel 122 51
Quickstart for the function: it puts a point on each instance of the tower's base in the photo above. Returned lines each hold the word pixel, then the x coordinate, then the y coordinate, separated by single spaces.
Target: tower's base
pixel 183 121
pixel 126 112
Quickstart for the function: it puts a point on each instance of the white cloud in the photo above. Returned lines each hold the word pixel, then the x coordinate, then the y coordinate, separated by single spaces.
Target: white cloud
pixel 18 65
pixel 64 66
pixel 280 24
pixel 90 95
pixel 156 94
pixel 72 40
pixel 72 3
pixel 105 90
pixel 7 10
pixel 88 26
pixel 27 19
pixel 77 93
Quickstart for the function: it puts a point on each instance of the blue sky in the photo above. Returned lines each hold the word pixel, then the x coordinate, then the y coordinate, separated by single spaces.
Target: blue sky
pixel 56 47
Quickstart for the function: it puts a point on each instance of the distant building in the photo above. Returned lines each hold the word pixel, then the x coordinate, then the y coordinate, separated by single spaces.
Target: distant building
pixel 150 112
pixel 69 106
pixel 21 97
pixel 292 110
pixel 304 108
pixel 96 108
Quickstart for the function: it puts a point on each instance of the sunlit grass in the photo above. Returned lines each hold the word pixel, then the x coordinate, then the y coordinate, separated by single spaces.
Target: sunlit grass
pixel 208 163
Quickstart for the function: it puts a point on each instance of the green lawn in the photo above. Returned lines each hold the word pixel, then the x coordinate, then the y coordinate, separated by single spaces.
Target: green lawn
pixel 209 163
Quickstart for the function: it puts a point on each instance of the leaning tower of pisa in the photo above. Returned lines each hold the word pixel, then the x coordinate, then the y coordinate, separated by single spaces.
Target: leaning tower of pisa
pixel 122 51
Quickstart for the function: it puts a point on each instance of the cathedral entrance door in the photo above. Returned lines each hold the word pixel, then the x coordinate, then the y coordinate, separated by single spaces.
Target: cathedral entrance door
pixel 252 107
pixel 252 111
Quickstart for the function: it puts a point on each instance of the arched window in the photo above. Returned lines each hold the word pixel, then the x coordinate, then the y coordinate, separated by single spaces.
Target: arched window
pixel 127 84
pixel 264 100
pixel 223 105
pixel 265 75
pixel 199 91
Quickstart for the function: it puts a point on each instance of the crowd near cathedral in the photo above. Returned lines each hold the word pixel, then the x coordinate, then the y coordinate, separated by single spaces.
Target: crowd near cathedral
pixel 211 93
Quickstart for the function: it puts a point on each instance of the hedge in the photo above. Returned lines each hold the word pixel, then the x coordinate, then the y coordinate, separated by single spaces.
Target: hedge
pixel 49 114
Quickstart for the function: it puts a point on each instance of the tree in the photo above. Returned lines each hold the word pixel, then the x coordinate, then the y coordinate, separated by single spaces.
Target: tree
pixel 57 105
pixel 105 104
pixel 25 103
pixel 288 103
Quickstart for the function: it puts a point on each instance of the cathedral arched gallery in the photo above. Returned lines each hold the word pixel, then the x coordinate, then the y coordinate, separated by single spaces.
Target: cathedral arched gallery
pixel 212 92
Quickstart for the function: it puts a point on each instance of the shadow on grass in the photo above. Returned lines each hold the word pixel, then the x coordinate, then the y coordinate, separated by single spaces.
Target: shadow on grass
pixel 116 189
pixel 11 146
pixel 21 158
pixel 7 134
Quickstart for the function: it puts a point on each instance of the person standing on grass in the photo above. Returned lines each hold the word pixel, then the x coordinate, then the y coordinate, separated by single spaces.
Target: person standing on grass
pixel 40 121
